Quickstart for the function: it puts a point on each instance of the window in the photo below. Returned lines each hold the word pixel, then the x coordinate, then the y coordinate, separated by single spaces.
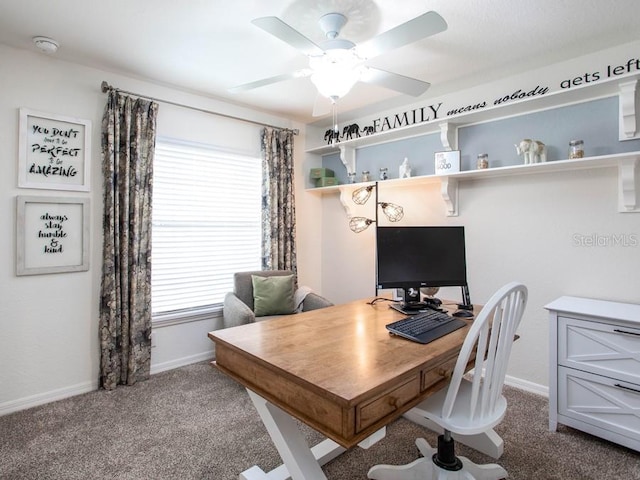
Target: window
pixel 206 225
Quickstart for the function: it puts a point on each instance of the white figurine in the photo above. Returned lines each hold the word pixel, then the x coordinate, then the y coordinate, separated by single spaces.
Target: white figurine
pixel 533 151
pixel 405 169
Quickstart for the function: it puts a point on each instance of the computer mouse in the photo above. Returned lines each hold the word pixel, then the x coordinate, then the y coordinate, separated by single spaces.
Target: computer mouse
pixel 462 313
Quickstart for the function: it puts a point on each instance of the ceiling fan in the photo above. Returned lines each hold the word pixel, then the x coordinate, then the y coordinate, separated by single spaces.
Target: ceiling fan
pixel 337 63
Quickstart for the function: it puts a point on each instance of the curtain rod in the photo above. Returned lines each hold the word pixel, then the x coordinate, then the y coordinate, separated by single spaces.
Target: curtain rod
pixel 105 87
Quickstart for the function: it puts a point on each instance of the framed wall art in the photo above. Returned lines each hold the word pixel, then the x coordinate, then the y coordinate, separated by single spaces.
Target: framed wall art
pixel 54 151
pixel 52 235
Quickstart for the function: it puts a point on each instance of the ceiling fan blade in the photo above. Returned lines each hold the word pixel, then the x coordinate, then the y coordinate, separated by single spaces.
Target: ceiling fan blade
pixel 268 81
pixel 420 27
pixel 288 34
pixel 322 106
pixel 394 81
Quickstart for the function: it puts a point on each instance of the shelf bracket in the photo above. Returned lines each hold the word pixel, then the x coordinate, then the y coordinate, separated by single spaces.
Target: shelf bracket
pixel 628 185
pixel 448 135
pixel 348 158
pixel 628 110
pixel 449 192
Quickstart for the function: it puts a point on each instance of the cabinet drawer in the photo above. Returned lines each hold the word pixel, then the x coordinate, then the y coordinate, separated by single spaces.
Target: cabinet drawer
pixel 603 402
pixel 369 413
pixel 601 348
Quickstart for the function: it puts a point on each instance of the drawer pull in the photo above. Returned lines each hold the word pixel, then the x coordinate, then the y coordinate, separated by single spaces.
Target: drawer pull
pixel 393 401
pixel 626 388
pixel 627 332
pixel 444 373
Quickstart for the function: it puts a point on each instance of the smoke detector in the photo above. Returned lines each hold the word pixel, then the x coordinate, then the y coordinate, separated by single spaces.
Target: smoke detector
pixel 46 44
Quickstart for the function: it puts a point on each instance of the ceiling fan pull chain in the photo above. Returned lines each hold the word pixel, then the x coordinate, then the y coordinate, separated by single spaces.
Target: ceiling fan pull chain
pixel 334 111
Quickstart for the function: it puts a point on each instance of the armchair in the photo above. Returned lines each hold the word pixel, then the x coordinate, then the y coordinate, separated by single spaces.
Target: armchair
pixel 239 308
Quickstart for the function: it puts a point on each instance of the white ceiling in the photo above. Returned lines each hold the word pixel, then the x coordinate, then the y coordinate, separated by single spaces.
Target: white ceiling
pixel 209 46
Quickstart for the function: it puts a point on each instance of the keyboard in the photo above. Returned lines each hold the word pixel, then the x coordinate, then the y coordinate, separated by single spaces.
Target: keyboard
pixel 426 326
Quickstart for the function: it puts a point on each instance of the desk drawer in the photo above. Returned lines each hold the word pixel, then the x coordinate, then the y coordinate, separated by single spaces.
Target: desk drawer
pixel 432 376
pixel 369 413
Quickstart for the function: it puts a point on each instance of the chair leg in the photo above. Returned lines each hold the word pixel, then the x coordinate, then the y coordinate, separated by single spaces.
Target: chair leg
pixel 490 471
pixel 421 469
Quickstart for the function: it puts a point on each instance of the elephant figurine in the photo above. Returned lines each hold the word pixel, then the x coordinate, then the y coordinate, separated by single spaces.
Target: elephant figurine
pixel 368 130
pixel 331 136
pixel 533 151
pixel 350 130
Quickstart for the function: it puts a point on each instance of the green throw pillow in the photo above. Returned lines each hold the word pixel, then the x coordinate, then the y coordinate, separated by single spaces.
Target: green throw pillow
pixel 273 295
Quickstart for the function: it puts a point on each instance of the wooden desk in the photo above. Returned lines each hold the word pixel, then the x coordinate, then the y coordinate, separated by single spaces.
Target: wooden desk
pixel 336 369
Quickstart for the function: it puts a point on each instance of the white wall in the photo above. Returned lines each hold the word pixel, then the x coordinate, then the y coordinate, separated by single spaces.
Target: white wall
pixel 49 323
pixel 517 228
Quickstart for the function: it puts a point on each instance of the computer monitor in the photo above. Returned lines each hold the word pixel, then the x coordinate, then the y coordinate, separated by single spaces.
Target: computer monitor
pixel 426 256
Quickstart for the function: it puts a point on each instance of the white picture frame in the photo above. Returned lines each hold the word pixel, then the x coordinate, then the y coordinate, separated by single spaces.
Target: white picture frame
pixel 52 235
pixel 447 162
pixel 54 151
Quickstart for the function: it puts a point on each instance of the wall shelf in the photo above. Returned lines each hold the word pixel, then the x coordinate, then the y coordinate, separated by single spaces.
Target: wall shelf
pixel 626 163
pixel 625 87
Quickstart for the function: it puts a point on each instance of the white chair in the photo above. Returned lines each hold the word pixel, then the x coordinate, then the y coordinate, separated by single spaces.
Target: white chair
pixel 468 406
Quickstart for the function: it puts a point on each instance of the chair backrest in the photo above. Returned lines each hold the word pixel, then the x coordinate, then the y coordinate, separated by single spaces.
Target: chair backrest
pixel 490 339
pixel 243 286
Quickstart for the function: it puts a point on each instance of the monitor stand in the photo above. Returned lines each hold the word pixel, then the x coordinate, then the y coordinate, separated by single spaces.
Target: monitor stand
pixel 412 304
pixel 411 295
pixel 466 307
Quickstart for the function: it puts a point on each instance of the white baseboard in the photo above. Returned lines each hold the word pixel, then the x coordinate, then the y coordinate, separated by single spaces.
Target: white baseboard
pixel 181 362
pixel 47 397
pixel 85 387
pixel 527 386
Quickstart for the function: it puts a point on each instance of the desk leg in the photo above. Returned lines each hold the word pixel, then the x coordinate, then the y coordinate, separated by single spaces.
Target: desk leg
pixel 300 462
pixel 488 442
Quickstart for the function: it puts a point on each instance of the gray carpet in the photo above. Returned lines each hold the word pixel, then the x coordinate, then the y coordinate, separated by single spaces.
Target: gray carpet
pixel 195 423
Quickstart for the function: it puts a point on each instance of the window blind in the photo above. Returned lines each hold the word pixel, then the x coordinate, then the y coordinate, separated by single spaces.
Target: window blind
pixel 206 224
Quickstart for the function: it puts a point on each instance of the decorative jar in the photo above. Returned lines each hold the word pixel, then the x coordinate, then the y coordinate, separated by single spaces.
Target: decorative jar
pixel 483 161
pixel 576 149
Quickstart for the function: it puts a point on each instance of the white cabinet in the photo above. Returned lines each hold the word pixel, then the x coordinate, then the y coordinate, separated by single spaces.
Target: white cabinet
pixel 594 381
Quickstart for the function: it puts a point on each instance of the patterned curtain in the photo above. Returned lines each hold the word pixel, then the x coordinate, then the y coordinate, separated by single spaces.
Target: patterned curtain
pixel 128 143
pixel 278 201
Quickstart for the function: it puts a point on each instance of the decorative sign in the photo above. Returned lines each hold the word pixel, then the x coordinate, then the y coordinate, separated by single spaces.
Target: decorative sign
pixel 54 151
pixel 52 235
pixel 447 162
pixel 433 112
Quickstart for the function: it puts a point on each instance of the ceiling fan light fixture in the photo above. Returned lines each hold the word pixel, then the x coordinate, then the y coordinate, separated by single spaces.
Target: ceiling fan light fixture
pixel 331 85
pixel 335 73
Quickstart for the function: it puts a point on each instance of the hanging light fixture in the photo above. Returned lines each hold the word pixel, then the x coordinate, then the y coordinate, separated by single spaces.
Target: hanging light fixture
pixel 393 212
